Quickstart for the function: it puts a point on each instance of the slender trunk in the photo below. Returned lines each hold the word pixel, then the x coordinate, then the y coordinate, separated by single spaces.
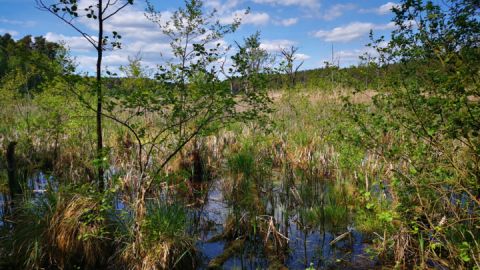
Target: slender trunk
pixel 100 153
pixel 13 184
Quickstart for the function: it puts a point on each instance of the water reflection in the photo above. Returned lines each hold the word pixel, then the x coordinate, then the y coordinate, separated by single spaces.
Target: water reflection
pixel 298 214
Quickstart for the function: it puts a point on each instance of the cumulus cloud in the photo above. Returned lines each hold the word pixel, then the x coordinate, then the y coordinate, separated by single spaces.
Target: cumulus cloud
pixel 286 22
pixel 381 10
pixel 111 61
pixel 255 18
pixel 351 31
pixel 75 43
pixel 336 11
pixel 9 31
pixel 352 57
pixel 276 45
pixel 301 3
pixel 301 56
pixel 140 37
pixel 222 7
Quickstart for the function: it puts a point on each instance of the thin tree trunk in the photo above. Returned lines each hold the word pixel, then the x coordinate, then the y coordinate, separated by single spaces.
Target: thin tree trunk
pixel 100 153
pixel 13 184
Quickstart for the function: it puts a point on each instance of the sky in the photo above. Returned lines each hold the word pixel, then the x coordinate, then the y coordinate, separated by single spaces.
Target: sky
pixel 314 26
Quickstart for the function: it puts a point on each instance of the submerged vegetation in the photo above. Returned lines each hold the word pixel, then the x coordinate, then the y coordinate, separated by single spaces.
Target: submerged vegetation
pixel 257 165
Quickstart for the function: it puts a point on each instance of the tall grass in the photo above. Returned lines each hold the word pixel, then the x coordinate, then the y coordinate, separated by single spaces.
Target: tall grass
pixel 61 229
pixel 165 242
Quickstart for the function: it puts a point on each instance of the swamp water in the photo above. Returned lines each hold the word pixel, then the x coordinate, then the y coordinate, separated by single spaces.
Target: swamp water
pixel 309 222
pixel 311 238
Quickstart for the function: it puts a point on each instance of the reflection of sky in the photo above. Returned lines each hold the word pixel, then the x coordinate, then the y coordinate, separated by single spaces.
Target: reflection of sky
pixel 2 208
pixel 37 184
pixel 305 246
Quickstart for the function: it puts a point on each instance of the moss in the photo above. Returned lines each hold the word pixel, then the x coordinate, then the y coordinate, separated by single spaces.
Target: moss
pixel 233 248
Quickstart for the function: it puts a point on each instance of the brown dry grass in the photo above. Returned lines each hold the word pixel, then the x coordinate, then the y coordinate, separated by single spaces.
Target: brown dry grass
pixel 76 232
pixel 331 97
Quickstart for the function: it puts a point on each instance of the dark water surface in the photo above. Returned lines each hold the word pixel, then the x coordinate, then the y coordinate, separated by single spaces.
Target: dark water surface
pixel 307 244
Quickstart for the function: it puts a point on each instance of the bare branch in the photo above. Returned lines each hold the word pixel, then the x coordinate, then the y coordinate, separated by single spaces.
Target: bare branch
pixel 116 11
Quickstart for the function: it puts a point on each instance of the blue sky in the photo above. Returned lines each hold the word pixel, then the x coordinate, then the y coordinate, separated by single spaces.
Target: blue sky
pixel 311 25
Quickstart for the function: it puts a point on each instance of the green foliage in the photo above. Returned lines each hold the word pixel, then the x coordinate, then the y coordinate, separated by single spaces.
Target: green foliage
pixel 186 97
pixel 164 222
pixel 28 62
pixel 425 122
pixel 242 162
pixel 252 65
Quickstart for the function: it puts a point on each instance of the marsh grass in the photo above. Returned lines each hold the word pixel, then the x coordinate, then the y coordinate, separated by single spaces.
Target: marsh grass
pixel 327 178
pixel 61 229
pixel 165 243
pixel 323 173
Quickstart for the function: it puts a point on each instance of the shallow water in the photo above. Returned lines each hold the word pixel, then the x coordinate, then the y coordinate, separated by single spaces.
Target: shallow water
pixel 2 208
pixel 308 242
pixel 306 245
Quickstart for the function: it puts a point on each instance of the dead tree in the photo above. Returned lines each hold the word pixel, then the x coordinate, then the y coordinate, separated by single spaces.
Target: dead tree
pixel 290 55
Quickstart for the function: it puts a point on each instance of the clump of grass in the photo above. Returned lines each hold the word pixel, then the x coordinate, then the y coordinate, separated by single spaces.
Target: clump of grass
pixel 28 243
pixel 78 230
pixel 60 229
pixel 367 221
pixel 242 162
pixel 164 243
pixel 164 221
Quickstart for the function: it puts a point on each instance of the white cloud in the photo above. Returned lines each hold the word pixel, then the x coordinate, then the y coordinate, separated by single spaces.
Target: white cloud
pixel 287 22
pixel 131 24
pixel 301 3
pixel 111 61
pixel 352 57
pixel 351 31
pixel 276 45
pixel 75 43
pixel 255 18
pixel 222 8
pixel 9 31
pixel 140 36
pixel 301 57
pixel 337 11
pixel 387 8
pixel 381 10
